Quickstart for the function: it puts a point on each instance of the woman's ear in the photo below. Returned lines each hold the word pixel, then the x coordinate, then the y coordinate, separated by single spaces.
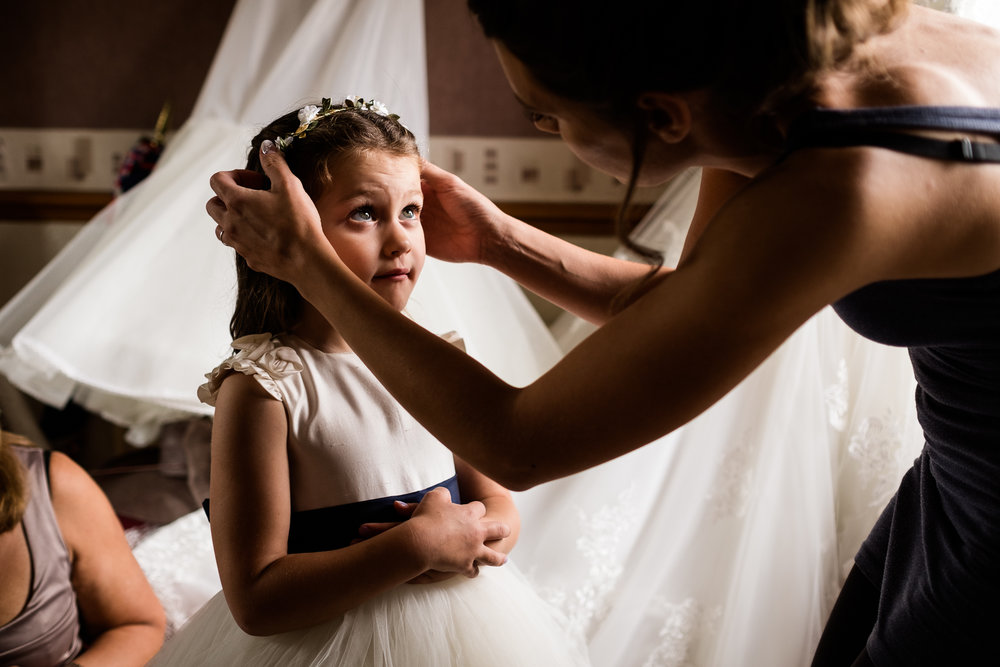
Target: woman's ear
pixel 668 116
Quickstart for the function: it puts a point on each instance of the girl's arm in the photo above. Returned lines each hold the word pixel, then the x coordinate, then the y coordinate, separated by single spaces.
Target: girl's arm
pixel 271 591
pixel 122 621
pixel 497 500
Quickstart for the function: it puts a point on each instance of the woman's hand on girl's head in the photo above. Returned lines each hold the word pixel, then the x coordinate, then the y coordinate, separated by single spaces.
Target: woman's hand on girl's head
pixel 274 230
pixel 460 223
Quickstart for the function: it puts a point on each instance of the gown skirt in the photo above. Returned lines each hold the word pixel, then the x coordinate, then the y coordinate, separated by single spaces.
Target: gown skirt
pixel 493 620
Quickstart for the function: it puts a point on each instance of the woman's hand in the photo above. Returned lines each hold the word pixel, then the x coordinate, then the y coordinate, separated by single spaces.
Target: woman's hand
pixel 460 223
pixel 274 230
pixel 452 537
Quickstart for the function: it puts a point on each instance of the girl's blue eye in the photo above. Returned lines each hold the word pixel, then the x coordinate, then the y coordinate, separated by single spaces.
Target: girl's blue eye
pixel 362 214
pixel 410 212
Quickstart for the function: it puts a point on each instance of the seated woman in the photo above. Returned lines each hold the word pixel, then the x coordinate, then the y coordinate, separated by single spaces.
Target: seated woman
pixel 70 590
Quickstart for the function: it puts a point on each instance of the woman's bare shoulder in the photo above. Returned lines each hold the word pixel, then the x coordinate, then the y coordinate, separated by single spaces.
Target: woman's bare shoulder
pixel 886 215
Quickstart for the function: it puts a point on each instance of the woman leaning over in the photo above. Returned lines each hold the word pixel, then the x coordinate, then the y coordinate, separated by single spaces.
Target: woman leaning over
pixel 849 151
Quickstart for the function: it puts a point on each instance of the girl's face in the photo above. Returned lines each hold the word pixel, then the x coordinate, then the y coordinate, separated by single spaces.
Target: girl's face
pixel 371 215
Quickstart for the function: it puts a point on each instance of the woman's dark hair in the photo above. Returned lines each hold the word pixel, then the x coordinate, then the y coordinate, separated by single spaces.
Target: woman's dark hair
pixel 755 58
pixel 265 304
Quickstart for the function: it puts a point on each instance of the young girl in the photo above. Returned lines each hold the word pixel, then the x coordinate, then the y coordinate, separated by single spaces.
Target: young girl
pixel 307 446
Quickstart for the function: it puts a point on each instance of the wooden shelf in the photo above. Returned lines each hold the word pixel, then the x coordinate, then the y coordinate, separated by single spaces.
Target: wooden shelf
pixel 555 218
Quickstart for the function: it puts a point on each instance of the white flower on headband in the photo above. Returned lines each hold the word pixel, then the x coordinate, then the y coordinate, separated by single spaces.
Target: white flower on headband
pixel 311 114
pixel 307 114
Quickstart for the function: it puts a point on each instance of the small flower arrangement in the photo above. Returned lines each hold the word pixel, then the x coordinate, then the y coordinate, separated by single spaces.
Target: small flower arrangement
pixel 310 115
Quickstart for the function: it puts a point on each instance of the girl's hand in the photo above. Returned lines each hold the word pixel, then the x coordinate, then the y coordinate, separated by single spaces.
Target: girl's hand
pixel 274 230
pixel 460 223
pixel 452 537
pixel 405 510
pixel 367 530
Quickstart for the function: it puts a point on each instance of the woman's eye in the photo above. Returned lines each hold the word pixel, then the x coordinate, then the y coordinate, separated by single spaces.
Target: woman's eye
pixel 542 121
pixel 410 212
pixel 362 214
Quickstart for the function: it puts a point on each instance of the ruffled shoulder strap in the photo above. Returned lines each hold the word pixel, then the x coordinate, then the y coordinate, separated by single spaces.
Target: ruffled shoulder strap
pixel 259 356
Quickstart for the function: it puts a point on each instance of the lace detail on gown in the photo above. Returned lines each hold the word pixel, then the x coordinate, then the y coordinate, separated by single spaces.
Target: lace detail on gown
pixel 836 397
pixel 602 535
pixel 686 626
pixel 736 464
pixel 877 446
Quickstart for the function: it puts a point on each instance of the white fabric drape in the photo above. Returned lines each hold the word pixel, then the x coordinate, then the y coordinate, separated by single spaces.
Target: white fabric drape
pixel 131 314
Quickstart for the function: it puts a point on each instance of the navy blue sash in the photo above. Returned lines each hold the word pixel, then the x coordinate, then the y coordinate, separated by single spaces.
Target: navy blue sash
pixel 329 528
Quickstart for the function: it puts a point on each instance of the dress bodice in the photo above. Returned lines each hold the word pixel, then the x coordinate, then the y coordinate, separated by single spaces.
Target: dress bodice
pixel 352 448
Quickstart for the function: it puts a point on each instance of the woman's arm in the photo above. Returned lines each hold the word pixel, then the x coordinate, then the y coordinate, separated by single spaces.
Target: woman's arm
pixel 794 241
pixel 122 621
pixel 269 590
pixel 462 225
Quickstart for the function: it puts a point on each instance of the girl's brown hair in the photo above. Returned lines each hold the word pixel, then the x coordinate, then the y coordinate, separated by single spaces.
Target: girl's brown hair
pixel 265 304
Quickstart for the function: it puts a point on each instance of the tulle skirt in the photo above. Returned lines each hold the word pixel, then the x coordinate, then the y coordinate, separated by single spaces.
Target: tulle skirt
pixel 494 620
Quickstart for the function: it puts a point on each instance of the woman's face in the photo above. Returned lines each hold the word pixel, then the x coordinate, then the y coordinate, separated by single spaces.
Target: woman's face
pixel 595 141
pixel 371 215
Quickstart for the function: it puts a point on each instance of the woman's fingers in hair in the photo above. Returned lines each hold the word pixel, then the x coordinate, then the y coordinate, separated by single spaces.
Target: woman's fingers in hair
pixel 272 161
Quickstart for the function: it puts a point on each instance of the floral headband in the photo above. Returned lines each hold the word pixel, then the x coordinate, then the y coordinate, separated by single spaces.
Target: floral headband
pixel 310 115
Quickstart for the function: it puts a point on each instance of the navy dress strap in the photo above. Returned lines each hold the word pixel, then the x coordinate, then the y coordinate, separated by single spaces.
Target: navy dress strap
pixel 880 127
pixel 328 528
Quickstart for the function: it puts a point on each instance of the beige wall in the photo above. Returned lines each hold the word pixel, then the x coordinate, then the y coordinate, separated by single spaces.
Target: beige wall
pixel 112 64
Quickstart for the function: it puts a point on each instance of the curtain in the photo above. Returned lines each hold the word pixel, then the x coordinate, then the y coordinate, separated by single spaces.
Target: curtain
pixel 130 315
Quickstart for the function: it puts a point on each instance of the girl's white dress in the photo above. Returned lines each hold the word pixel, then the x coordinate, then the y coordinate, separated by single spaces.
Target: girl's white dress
pixel 352 449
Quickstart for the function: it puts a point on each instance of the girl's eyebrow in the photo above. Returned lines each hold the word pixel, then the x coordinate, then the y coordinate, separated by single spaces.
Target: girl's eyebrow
pixel 370 193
